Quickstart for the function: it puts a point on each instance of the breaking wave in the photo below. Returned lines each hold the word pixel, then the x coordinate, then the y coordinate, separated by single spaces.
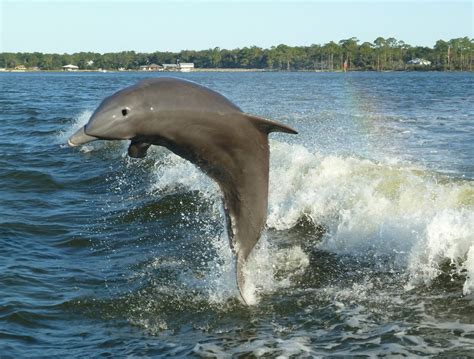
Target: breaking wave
pixel 418 219
pixel 412 219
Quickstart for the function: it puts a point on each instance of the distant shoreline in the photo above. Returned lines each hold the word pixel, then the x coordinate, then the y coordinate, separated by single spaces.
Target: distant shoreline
pixel 383 54
pixel 234 70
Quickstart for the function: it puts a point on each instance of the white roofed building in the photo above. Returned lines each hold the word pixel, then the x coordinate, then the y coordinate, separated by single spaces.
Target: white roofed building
pixel 186 66
pixel 70 67
pixel 417 61
pixel 151 67
pixel 170 67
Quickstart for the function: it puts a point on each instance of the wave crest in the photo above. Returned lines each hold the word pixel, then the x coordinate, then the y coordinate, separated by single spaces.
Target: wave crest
pixel 416 217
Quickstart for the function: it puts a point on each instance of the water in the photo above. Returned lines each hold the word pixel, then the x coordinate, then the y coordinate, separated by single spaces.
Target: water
pixel 370 241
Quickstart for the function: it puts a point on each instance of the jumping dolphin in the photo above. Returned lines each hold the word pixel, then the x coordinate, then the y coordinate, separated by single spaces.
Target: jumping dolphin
pixel 205 128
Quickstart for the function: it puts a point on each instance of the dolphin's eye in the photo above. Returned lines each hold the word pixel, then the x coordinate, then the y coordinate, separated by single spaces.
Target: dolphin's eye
pixel 124 112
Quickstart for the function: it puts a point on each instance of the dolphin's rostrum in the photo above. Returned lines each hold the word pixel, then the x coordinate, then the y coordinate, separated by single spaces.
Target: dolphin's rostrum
pixel 205 128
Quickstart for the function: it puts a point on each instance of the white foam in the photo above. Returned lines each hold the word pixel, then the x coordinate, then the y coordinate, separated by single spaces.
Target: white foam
pixel 449 236
pixel 383 210
pixel 171 173
pixel 412 219
pixel 297 346
pixel 469 266
pixel 264 262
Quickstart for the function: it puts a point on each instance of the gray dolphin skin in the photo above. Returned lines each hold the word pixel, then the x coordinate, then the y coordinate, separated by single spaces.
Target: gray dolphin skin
pixel 205 128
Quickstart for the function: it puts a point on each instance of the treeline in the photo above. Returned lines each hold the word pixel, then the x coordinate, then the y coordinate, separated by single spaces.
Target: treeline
pixel 379 55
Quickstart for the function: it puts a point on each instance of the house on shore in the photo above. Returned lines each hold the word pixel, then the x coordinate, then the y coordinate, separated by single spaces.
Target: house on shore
pixel 170 67
pixel 151 67
pixel 186 66
pixel 180 66
pixel 420 62
pixel 70 67
pixel 20 68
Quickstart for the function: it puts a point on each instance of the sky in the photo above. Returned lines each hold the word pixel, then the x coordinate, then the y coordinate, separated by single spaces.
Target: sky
pixel 148 26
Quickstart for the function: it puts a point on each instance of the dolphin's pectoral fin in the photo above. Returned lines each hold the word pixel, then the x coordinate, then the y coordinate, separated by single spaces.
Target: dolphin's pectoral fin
pixel 138 149
pixel 268 126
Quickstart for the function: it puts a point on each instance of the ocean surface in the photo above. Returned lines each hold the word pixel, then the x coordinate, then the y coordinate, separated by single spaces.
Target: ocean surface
pixel 369 248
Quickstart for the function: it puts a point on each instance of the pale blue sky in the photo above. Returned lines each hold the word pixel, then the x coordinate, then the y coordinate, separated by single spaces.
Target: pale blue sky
pixel 147 26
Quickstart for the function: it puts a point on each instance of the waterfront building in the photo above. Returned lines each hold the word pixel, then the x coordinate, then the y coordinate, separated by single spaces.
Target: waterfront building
pixel 70 67
pixel 417 61
pixel 151 67
pixel 186 66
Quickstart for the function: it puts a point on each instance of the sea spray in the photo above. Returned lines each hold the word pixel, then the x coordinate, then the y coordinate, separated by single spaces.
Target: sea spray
pixel 416 218
pixel 448 237
pixel 172 173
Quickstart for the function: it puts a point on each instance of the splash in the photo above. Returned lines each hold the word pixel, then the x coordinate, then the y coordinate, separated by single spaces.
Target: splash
pixel 402 218
pixel 173 174
pixel 415 218
pixel 265 262
pixel 448 237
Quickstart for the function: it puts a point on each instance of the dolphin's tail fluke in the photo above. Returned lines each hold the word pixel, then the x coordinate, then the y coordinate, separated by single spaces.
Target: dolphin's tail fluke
pixel 245 291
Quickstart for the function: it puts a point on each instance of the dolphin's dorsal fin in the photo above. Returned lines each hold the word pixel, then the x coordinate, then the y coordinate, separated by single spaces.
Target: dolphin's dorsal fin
pixel 268 126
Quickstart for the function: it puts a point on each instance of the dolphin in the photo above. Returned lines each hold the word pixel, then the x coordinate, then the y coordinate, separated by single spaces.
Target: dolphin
pixel 205 128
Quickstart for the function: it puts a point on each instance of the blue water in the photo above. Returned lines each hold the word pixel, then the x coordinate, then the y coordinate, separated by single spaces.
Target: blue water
pixel 369 248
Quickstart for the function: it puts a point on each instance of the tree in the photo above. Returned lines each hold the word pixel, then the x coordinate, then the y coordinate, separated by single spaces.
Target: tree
pixel 380 50
pixel 403 47
pixel 330 49
pixel 455 54
pixel 365 56
pixel 441 54
pixel 215 57
pixel 314 57
pixel 349 48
